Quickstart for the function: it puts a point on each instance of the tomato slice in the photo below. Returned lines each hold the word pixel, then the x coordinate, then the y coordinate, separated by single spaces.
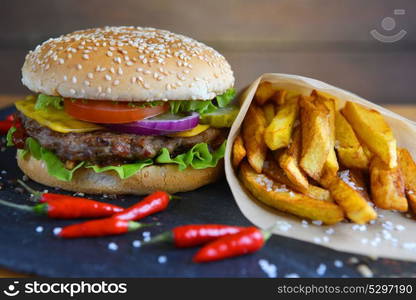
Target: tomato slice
pixel 110 112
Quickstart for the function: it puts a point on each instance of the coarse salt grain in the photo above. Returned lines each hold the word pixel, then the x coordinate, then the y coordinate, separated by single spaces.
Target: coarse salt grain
pixel 292 275
pixel 268 268
pixel 317 222
pixel 39 229
pixel 162 259
pixel 338 263
pixel 112 246
pixel 136 244
pixel 57 230
pixel 321 269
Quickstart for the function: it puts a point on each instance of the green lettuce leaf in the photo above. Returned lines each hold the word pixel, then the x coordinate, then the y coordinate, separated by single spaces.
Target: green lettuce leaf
pixel 9 136
pixel 123 171
pixel 54 165
pixel 198 157
pixel 44 101
pixel 226 98
pixel 200 106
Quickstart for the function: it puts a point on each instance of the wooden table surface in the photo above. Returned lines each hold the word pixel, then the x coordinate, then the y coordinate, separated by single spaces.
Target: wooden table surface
pixel 408 111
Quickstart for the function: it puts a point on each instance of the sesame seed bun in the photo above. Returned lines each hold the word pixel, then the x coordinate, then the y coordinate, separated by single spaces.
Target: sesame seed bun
pixel 149 179
pixel 127 64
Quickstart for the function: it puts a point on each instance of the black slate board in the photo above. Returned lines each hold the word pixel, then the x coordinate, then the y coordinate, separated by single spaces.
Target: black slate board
pixel 22 249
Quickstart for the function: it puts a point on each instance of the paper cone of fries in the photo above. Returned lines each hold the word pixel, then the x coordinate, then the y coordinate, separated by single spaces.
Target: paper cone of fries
pixel 314 195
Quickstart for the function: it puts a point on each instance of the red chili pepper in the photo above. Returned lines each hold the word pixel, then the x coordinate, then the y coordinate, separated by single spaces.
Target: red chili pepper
pixel 193 235
pixel 103 227
pixel 151 204
pixel 5 126
pixel 69 207
pixel 247 241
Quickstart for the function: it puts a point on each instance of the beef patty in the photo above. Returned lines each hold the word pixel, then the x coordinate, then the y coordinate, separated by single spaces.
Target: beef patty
pixel 109 148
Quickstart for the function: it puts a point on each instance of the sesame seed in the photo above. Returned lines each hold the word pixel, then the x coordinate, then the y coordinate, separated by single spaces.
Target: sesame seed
pixel 109 53
pixel 65 78
pixel 129 63
pixel 133 79
pixel 108 90
pixel 72 91
pixel 107 77
pixel 90 75
pixel 120 71
pixel 61 61
pixel 79 66
pixel 112 70
pixel 85 56
pixel 116 82
pixel 39 229
pixel 99 89
pixel 74 79
pixel 87 83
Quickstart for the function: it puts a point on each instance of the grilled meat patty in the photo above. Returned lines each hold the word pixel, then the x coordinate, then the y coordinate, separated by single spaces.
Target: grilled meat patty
pixel 110 148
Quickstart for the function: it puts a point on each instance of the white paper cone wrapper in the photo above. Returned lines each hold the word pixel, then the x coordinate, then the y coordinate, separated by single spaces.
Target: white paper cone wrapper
pixel 393 235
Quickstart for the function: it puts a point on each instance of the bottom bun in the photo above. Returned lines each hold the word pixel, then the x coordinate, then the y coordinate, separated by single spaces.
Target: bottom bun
pixel 159 177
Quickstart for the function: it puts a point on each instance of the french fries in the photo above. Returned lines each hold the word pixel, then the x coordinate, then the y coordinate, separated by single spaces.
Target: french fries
pixel 353 203
pixel 350 151
pixel 295 146
pixel 278 196
pixel 269 112
pixel 272 170
pixel 331 164
pixel 373 131
pixel 264 92
pixel 387 186
pixel 239 152
pixel 277 135
pixel 408 167
pixel 316 133
pixel 253 133
pixel 279 97
pixel 289 162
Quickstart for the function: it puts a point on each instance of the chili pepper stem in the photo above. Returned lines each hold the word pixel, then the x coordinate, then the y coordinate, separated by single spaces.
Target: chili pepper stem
pixel 17 206
pixel 173 197
pixel 132 226
pixel 36 194
pixel 166 236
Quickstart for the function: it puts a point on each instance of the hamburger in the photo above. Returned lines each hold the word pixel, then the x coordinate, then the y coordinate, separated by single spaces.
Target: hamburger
pixel 124 110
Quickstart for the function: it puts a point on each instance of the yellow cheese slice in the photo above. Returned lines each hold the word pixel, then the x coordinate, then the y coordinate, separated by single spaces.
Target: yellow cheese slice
pixel 191 132
pixel 56 119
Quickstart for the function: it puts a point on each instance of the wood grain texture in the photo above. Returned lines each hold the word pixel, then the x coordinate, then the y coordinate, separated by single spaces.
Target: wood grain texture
pixel 324 39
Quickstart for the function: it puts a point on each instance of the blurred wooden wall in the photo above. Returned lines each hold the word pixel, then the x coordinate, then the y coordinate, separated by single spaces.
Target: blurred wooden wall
pixel 324 39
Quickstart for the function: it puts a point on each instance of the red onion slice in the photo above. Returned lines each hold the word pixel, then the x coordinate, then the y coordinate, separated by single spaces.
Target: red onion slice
pixel 157 126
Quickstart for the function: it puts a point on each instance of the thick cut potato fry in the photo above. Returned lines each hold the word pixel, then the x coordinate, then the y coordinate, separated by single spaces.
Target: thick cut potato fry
pixel 253 133
pixel 289 162
pixel 269 112
pixel 373 131
pixel 352 202
pixel 264 92
pixel 387 186
pixel 277 135
pixel 331 163
pixel 316 136
pixel 408 167
pixel 279 197
pixel 239 152
pixel 272 170
pixel 350 151
pixel 279 97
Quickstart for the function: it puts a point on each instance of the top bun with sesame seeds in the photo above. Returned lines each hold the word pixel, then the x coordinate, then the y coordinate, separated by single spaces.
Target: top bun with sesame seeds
pixel 127 64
